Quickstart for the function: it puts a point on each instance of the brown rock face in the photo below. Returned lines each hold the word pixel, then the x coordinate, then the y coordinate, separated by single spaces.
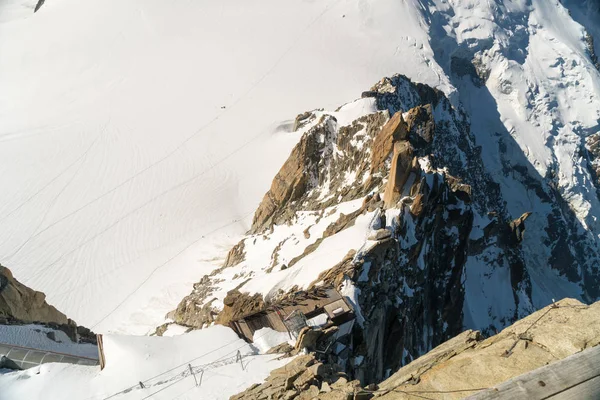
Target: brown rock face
pixel 468 361
pixel 316 166
pixel 303 379
pixel 394 130
pixel 236 255
pixel 21 303
pixel 399 171
pixel 288 185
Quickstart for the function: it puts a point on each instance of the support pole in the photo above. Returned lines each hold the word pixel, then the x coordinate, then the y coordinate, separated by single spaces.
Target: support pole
pixel 238 357
pixel 201 375
pixel 193 374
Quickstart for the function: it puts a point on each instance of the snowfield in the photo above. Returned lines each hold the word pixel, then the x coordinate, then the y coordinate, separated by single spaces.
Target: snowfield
pixel 138 137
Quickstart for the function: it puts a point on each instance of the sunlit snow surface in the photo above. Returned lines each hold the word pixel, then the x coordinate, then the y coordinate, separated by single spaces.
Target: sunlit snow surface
pixel 137 137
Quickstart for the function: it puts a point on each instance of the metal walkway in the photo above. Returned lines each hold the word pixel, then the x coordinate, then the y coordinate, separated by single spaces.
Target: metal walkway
pixel 26 357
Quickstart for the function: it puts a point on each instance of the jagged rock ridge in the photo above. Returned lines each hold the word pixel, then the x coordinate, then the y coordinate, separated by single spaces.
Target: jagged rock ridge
pixel 453 256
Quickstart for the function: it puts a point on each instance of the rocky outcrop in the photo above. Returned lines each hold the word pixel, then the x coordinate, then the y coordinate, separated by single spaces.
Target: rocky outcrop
pixel 410 281
pixel 237 305
pixel 394 130
pixel 461 366
pixel 236 255
pixel 195 310
pixel 20 304
pixel 304 378
pixel 468 362
pixel 410 277
pixel 402 162
pixel 450 254
pixel 313 167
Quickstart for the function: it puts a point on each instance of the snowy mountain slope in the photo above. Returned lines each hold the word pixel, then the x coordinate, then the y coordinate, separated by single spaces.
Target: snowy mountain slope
pixel 587 13
pixel 504 136
pixel 532 96
pixel 134 133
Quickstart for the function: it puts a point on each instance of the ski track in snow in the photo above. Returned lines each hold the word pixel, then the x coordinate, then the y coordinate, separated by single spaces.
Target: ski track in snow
pixel 112 231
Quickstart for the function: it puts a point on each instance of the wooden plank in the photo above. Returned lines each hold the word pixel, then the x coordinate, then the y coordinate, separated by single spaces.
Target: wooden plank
pixel 575 377
pixel 586 390
pixel 101 351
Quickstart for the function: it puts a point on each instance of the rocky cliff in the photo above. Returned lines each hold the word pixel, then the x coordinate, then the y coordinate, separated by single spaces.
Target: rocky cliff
pixel 20 304
pixel 465 365
pixel 389 200
pixel 469 362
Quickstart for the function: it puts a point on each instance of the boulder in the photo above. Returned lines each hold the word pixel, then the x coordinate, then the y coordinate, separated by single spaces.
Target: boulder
pixel 238 305
pixel 7 363
pixel 309 394
pixel 280 348
pixel 305 379
pixel 307 338
pixel 380 234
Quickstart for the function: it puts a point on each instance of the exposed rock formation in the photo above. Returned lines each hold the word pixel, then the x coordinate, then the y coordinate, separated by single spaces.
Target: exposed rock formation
pixel 470 362
pixel 393 131
pixel 312 165
pixel 237 305
pixel 450 254
pixel 402 162
pixel 460 367
pixel 20 304
pixel 303 379
pixel 235 255
pixel 411 279
pixel 196 310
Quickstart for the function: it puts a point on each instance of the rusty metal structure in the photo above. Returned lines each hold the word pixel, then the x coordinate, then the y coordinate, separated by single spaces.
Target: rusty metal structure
pixel 307 303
